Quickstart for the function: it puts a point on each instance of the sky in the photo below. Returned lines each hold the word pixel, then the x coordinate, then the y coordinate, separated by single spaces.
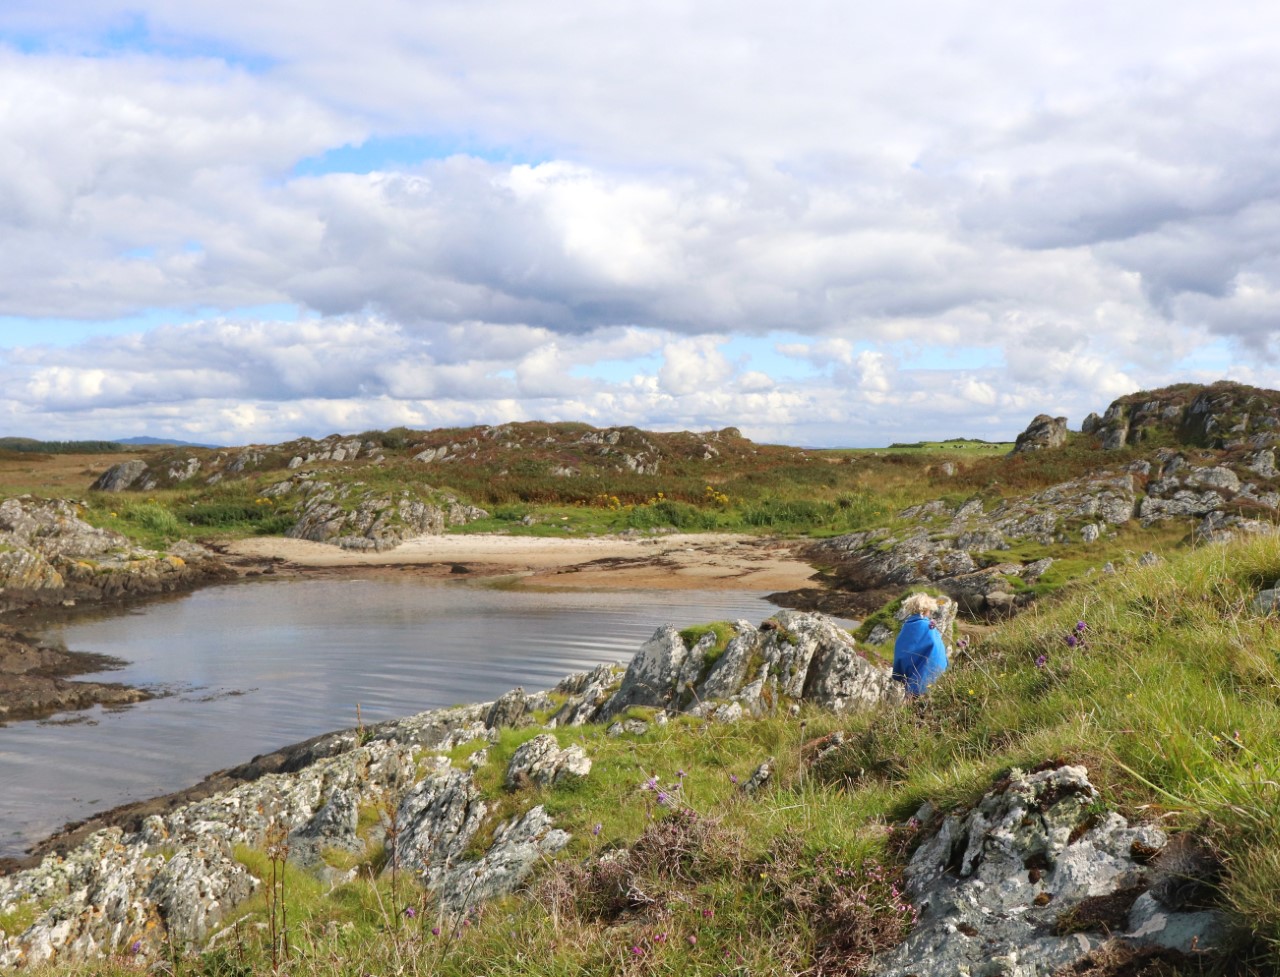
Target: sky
pixel 824 222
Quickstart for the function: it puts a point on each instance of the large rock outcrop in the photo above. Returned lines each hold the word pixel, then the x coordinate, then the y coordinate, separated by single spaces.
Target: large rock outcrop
pixel 792 657
pixel 1038 876
pixel 357 518
pixel 174 877
pixel 49 554
pixel 1224 416
pixel 1042 433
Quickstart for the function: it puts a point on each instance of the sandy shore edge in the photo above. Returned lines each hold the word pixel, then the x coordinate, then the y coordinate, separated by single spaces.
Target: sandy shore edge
pixel 704 561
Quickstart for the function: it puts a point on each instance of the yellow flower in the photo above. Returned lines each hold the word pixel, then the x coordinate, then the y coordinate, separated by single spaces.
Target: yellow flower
pixel 971 692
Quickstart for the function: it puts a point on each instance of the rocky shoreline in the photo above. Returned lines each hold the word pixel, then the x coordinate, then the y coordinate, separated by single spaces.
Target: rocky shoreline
pixel 36 679
pixel 1006 873
pixel 51 561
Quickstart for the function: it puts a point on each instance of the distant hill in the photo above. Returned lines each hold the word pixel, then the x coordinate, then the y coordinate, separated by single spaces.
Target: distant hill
pixel 162 442
pixel 32 446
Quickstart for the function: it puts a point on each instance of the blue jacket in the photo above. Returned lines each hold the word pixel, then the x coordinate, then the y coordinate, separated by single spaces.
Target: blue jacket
pixel 919 656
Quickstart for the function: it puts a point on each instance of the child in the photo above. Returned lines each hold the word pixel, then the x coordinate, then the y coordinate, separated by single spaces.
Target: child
pixel 919 656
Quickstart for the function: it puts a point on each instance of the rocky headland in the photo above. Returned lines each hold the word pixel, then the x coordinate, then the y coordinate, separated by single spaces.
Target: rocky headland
pixel 1197 462
pixel 50 558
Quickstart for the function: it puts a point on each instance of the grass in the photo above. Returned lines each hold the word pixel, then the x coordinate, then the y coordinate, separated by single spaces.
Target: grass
pixel 1170 695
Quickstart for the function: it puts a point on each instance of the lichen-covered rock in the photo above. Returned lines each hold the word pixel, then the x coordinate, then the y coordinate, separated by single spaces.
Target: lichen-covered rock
pixel 541 761
pixel 358 519
pixel 1042 433
pixel 437 820
pixel 120 477
pixel 585 693
pixel 519 846
pixel 49 553
pixel 657 674
pixel 196 888
pixel 1031 880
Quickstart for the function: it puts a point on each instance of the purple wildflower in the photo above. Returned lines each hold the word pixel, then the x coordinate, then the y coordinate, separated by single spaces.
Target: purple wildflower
pixel 650 784
pixel 135 947
pixel 596 830
pixel 1080 625
pixel 663 797
pixel 435 931
pixel 681 774
pixel 733 778
pixel 1042 661
pixel 410 912
pixel 638 951
pixel 1072 641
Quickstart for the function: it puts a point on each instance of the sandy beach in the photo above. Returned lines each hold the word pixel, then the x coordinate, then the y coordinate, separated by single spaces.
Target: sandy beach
pixel 708 561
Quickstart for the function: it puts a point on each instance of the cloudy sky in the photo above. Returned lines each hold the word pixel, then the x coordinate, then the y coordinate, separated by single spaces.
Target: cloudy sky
pixel 823 222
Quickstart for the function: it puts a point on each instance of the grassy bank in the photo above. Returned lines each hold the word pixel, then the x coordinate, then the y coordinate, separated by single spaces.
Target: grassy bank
pixel 1162 680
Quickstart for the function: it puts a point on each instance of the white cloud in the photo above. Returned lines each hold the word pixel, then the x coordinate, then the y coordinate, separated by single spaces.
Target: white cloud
pixel 1087 192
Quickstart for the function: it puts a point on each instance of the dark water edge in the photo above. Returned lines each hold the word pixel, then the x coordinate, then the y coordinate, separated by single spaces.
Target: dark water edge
pixel 246 668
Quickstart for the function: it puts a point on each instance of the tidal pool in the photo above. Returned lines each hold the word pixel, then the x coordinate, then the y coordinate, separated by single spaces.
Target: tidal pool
pixel 253 666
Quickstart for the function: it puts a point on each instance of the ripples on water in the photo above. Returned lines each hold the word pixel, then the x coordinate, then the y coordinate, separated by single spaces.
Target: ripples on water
pixel 255 666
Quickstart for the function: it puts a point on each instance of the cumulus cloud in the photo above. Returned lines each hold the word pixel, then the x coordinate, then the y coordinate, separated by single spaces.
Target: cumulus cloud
pixel 1089 193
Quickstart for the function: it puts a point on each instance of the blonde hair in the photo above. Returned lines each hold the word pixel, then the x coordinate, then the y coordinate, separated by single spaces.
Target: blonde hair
pixel 921 604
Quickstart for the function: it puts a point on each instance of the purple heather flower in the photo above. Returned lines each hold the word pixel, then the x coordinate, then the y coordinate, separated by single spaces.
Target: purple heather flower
pixel 410 912
pixel 733 779
pixel 435 931
pixel 135 947
pixel 596 830
pixel 1072 641
pixel 1080 625
pixel 1042 661
pixel 638 951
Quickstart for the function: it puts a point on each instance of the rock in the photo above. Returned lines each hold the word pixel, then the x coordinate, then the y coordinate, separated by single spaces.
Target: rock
pixel 541 761
pixel 1267 601
pixel 658 674
pixel 1031 880
pixel 1221 527
pixel 511 709
pixel 1091 424
pixel 334 826
pixel 759 777
pixel 1042 433
pixel 1090 533
pixel 1149 559
pixel 355 519
pixel 585 693
pixel 48 554
pixel 879 635
pixel 196 888
pixel 1263 464
pixel 436 821
pixel 519 846
pixel 633 727
pixel 1219 478
pixel 119 477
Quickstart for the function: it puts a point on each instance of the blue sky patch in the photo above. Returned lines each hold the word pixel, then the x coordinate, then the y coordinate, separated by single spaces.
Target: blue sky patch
pixel 378 153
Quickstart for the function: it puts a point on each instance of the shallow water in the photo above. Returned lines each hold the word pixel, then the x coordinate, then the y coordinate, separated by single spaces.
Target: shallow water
pixel 254 666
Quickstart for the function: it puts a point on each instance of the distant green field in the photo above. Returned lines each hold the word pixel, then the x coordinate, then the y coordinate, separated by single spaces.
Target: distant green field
pixel 965 446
